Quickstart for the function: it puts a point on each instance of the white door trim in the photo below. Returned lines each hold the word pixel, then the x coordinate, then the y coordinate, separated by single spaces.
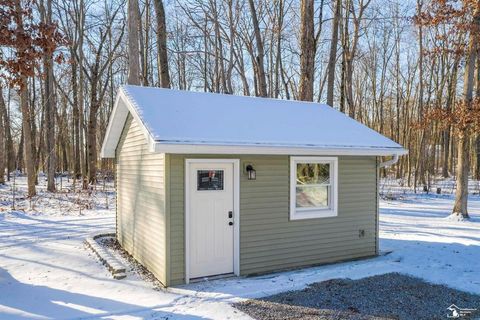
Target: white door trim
pixel 236 212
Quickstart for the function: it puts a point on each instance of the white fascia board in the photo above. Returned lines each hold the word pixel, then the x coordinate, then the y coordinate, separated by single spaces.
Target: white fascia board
pixel 123 106
pixel 246 149
pixel 114 129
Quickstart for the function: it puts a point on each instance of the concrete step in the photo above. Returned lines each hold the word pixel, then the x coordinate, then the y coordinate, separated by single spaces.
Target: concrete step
pixel 115 266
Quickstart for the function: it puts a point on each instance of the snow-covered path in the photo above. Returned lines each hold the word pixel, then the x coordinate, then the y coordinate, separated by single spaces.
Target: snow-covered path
pixel 46 272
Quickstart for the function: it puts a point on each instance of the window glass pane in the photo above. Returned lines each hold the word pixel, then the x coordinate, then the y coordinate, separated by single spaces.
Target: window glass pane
pixel 311 196
pixel 313 173
pixel 209 180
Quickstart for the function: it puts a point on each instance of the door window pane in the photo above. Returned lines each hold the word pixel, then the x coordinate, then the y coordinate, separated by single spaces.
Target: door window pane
pixel 209 180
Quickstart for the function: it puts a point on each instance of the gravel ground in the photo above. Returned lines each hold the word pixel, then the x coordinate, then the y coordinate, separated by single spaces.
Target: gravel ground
pixel 388 296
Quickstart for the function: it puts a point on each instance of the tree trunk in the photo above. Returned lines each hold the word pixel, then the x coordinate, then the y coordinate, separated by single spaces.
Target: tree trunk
pixel 463 165
pixel 6 145
pixel 76 123
pixel 2 140
pixel 142 46
pixel 81 99
pixel 8 134
pixel 345 35
pixel 308 49
pixel 26 115
pixel 421 149
pixel 35 150
pixel 50 128
pixel 146 44
pixel 133 45
pixel 260 76
pixel 333 54
pixel 446 153
pixel 162 44
pixel 349 87
pixel 278 48
pixel 219 56
pixel 351 48
pixel 477 141
pixel 461 194
pixel 92 142
pixel 19 158
pixel 27 138
pixel 49 104
pixel 477 163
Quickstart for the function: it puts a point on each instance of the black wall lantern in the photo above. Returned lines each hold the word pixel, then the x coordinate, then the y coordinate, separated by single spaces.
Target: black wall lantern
pixel 252 174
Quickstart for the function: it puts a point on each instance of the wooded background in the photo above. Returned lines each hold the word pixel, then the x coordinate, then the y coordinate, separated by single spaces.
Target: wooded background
pixel 387 63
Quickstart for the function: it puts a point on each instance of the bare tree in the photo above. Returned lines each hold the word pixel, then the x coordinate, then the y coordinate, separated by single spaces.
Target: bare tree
pixel 259 64
pixel 2 139
pixel 307 50
pixel 98 85
pixel 333 53
pixel 164 76
pixel 133 43
pixel 266 48
pixel 29 40
pixel 463 20
pixel 9 148
pixel 461 196
pixel 350 46
pixel 50 143
pixel 81 100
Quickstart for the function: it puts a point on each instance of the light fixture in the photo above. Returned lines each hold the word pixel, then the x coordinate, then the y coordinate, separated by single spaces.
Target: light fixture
pixel 252 174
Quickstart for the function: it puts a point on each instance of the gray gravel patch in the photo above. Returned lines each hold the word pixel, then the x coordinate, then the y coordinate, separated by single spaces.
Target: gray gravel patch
pixel 388 296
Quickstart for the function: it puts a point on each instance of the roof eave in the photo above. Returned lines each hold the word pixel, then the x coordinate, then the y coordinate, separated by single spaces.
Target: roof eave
pixel 163 147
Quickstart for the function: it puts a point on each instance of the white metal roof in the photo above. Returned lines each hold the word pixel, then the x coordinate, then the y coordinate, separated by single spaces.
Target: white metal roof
pixel 192 122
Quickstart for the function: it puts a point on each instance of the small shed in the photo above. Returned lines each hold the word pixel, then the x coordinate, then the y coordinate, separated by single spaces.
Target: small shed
pixel 212 184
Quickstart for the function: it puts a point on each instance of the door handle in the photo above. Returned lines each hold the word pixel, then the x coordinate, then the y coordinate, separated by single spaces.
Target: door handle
pixel 230 214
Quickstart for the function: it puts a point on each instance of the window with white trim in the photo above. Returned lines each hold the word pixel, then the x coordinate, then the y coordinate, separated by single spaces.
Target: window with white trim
pixel 313 187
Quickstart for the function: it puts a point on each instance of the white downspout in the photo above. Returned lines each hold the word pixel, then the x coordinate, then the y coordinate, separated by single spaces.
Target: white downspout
pixel 389 162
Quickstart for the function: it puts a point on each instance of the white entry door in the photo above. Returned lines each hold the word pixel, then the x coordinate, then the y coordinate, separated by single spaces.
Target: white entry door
pixel 211 229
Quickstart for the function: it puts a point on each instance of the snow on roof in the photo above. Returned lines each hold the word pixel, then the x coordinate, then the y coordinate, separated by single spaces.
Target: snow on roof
pixel 174 117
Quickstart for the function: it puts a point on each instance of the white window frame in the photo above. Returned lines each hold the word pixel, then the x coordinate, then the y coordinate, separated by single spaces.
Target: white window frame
pixel 318 212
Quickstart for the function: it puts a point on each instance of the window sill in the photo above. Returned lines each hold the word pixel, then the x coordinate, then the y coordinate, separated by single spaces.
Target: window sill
pixel 312 214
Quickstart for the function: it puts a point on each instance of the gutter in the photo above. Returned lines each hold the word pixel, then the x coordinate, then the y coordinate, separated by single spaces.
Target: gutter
pixel 390 162
pixel 201 148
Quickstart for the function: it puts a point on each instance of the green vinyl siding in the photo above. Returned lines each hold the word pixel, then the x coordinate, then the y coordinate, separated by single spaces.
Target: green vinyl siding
pixel 269 241
pixel 141 219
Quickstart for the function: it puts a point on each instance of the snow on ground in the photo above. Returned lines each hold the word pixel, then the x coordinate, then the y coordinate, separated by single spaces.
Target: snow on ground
pixel 46 271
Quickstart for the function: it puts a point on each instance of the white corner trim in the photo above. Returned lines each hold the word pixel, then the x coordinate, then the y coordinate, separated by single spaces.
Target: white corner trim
pixel 301 214
pixel 236 216
pixel 186 188
pixel 236 212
